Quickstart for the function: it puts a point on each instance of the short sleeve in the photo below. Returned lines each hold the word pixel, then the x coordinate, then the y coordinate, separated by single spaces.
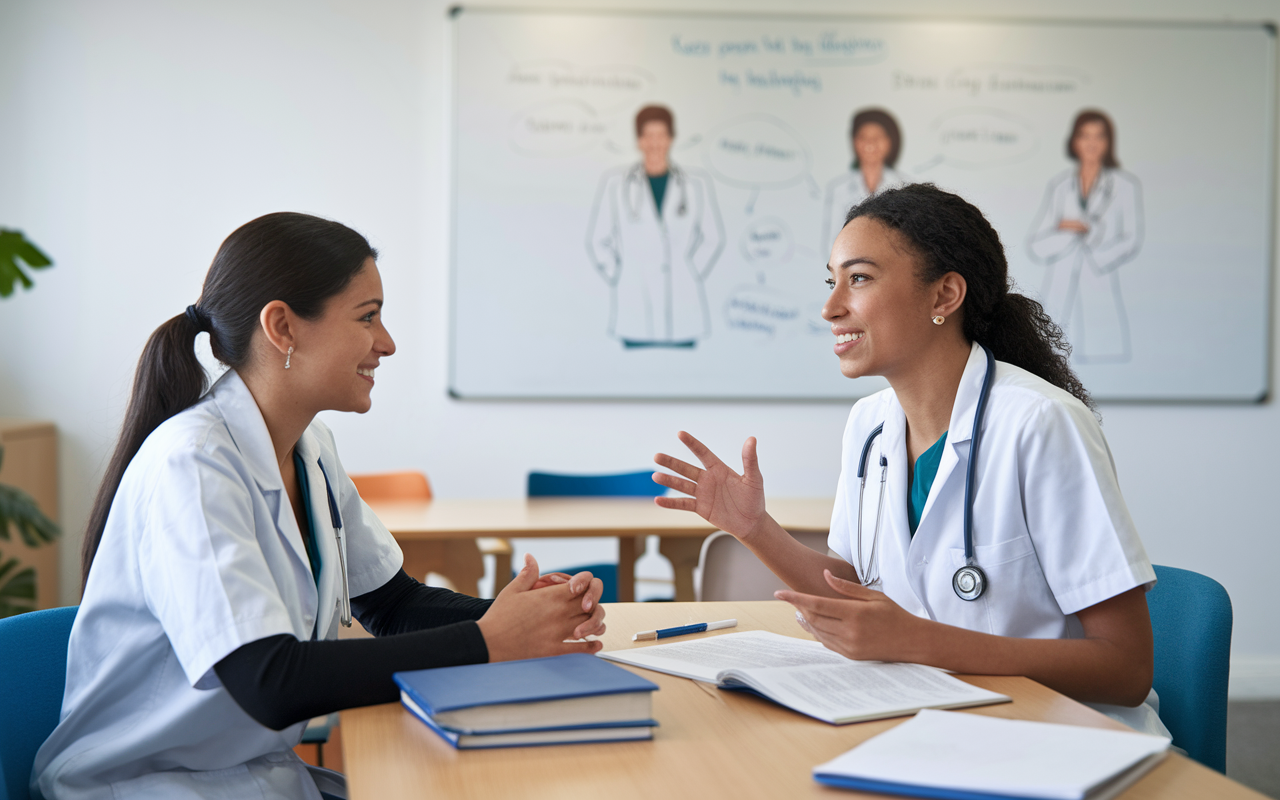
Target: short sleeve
pixel 205 575
pixel 373 555
pixel 1086 542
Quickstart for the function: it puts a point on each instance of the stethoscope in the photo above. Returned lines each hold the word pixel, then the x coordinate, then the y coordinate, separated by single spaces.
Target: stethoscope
pixel 677 177
pixel 970 581
pixel 336 518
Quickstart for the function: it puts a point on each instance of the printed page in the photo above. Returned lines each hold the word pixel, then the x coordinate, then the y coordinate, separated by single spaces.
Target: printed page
pixel 852 691
pixel 705 659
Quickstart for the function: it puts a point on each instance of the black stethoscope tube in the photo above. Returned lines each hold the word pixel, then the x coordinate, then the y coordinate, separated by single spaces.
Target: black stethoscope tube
pixel 335 517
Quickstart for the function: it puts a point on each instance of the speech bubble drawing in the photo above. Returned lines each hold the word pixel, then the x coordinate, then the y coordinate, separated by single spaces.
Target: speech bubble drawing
pixel 761 310
pixel 606 87
pixel 556 128
pixel 1015 79
pixel 767 241
pixel 979 138
pixel 757 151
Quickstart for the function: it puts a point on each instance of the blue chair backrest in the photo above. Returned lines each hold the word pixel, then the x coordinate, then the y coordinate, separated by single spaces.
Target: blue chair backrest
pixel 33 672
pixel 627 484
pixel 1191 622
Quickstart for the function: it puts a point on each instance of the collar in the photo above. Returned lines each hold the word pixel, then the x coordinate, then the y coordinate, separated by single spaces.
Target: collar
pixel 967 394
pixel 248 429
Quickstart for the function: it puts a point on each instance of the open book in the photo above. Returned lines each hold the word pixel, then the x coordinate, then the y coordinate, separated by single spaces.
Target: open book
pixel 807 677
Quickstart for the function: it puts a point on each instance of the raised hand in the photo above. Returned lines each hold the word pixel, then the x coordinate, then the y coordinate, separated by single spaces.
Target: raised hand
pixel 862 624
pixel 731 502
pixel 529 622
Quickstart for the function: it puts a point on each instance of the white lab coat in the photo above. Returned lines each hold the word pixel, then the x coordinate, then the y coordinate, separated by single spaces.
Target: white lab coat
pixel 845 191
pixel 656 263
pixel 1050 527
pixel 201 554
pixel 1081 289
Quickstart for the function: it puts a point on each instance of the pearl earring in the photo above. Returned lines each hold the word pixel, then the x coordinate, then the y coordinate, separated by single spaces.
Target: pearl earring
pixel 289 355
pixel 938 320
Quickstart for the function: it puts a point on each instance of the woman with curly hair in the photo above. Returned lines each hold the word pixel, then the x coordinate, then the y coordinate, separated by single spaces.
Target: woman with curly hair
pixel 1050 581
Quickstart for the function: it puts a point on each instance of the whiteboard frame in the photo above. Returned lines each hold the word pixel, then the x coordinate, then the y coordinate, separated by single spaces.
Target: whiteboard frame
pixel 1273 124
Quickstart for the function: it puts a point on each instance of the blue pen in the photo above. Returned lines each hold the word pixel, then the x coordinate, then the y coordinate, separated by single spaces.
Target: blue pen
pixel 698 627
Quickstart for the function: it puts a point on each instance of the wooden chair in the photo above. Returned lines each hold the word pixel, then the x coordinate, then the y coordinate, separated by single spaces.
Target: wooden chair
pixel 461 561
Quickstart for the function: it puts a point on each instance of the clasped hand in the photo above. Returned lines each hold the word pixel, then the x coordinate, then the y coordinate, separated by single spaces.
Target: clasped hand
pixel 546 615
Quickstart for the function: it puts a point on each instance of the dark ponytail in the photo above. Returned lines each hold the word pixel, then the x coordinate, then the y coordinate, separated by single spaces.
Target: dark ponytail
pixel 299 259
pixel 951 235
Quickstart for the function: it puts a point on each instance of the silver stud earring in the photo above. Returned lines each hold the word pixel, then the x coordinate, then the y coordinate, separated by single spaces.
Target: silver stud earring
pixel 289 355
pixel 938 320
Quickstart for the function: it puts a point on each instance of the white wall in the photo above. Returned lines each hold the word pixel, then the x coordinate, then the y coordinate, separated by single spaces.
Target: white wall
pixel 135 134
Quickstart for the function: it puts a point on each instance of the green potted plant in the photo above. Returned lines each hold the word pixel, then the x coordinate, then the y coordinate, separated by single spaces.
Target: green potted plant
pixel 18 512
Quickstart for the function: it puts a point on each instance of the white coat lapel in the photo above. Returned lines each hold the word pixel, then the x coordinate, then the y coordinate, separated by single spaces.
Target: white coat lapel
pixel 897 532
pixel 326 543
pixel 959 432
pixel 249 432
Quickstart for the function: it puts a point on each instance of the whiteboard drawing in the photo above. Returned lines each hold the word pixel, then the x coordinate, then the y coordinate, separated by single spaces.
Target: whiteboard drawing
pixel 759 152
pixel 877 141
pixel 655 234
pixel 1089 225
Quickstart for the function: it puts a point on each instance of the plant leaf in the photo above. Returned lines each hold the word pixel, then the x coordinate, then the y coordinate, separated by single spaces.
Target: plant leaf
pixel 15 247
pixel 18 510
pixel 18 593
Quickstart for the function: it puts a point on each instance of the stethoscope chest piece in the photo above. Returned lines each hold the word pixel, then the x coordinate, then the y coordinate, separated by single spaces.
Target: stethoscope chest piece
pixel 969 582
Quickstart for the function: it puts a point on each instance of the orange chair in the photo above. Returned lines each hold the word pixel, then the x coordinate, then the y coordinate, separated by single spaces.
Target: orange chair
pixel 459 560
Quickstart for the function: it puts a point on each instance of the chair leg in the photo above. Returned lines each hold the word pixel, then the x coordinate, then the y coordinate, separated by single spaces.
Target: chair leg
pixel 683 553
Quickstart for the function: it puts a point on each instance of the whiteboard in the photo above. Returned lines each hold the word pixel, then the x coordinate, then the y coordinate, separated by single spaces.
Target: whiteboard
pixel 559 284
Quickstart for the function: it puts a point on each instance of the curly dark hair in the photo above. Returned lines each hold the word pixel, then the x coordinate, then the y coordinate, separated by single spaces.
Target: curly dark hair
pixel 949 234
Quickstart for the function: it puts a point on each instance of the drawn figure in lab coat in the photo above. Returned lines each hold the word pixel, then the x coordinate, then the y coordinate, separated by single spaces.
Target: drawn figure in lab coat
pixel 1089 225
pixel 655 233
pixel 877 141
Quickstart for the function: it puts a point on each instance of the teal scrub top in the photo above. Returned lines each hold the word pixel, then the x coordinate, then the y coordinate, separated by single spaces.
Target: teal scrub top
pixel 658 184
pixel 922 481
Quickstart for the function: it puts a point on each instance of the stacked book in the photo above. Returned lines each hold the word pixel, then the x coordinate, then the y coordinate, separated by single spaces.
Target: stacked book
pixel 557 700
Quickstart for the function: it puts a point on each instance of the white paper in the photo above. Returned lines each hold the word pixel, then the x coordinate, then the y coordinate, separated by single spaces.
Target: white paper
pixel 974 753
pixel 805 676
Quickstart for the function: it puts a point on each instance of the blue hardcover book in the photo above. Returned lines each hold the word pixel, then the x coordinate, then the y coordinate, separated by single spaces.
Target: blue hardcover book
pixel 559 699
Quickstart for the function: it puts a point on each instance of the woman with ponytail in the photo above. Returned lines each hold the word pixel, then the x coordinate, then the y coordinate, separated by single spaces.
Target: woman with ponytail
pixel 920 294
pixel 225 530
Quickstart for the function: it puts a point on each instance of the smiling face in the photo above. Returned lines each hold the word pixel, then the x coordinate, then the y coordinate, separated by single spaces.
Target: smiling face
pixel 879 310
pixel 871 144
pixel 1090 144
pixel 336 354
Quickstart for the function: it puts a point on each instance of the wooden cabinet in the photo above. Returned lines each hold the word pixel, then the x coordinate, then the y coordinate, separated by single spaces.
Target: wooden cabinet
pixel 31 464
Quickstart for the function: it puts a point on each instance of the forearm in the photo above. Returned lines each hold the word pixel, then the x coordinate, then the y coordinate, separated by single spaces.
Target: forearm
pixel 1090 669
pixel 280 681
pixel 402 605
pixel 800 567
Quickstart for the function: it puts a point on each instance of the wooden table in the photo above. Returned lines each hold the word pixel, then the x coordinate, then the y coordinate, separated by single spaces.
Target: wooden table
pixel 710 744
pixel 439 534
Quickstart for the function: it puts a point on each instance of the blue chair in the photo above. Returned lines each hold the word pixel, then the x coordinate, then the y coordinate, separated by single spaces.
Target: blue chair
pixel 1191 623
pixel 33 670
pixel 627 484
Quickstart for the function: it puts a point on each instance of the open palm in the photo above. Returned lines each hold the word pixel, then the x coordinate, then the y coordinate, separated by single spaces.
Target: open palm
pixel 731 502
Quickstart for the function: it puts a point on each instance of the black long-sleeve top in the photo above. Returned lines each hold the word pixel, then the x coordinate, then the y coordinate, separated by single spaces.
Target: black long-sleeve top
pixel 280 681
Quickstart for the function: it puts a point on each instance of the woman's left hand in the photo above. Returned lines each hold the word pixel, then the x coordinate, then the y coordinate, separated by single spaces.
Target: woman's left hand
pixel 585 584
pixel 864 624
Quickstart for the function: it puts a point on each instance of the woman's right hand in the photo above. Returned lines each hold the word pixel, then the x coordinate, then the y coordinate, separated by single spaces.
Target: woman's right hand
pixel 529 619
pixel 729 501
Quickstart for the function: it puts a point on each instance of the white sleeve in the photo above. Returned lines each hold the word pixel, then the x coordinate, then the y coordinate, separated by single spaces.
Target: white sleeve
pixel 373 555
pixel 1084 537
pixel 204 574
